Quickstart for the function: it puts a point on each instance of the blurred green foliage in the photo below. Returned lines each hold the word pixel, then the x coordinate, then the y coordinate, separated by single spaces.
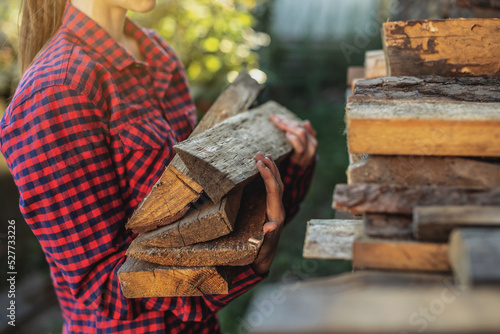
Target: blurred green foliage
pixel 212 38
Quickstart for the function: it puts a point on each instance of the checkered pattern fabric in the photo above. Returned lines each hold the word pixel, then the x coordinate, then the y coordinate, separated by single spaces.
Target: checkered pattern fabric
pixel 89 131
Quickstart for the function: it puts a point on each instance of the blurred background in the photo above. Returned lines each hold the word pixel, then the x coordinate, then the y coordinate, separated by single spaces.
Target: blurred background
pixel 300 49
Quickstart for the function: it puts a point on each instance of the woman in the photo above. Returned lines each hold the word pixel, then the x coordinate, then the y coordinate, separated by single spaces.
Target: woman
pixel 89 131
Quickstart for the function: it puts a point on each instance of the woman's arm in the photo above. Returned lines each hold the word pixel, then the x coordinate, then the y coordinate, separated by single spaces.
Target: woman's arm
pixel 56 145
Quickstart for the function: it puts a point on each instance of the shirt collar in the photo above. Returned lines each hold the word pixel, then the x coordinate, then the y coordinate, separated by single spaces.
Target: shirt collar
pixel 105 46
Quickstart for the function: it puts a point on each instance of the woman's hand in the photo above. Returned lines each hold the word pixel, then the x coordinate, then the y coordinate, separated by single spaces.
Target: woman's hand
pixel 275 212
pixel 302 137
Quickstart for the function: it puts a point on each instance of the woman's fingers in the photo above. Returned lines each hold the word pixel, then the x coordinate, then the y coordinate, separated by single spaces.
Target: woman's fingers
pixel 302 136
pixel 274 189
pixel 309 128
pixel 298 145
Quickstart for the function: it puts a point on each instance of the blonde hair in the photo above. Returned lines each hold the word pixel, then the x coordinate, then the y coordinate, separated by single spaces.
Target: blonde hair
pixel 40 19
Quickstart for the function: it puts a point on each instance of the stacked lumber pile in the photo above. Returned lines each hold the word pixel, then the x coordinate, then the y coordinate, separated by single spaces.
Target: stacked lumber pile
pixel 203 218
pixel 423 195
pixel 429 148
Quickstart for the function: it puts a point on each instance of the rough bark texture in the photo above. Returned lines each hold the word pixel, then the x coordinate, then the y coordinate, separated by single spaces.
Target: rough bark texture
pixel 361 198
pixel 458 47
pixel 222 158
pixel 141 279
pixel 399 255
pixel 425 170
pixel 435 223
pixel 205 221
pixel 331 239
pixel 495 4
pixel 387 226
pixel 426 122
pixel 375 64
pixel 235 249
pixel 376 303
pixel 475 256
pixel 170 197
pixel 428 89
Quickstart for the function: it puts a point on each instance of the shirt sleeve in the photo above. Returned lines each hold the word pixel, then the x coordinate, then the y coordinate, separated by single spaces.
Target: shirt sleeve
pixel 57 147
pixel 297 181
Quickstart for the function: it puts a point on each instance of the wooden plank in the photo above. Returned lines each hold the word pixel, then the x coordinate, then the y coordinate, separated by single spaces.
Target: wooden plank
pixel 206 221
pixel 170 197
pixel 425 170
pixel 425 125
pixel 331 239
pixel 235 249
pixel 475 256
pixel 375 64
pixel 375 198
pixel 141 279
pixel 459 47
pixel 427 89
pixel 222 158
pixel 435 223
pixel 373 303
pixel 399 255
pixel 353 73
pixel 494 4
pixel 387 226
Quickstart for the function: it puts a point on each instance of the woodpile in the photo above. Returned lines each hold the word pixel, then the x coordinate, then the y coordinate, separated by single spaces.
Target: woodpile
pixel 423 193
pixel 429 149
pixel 204 217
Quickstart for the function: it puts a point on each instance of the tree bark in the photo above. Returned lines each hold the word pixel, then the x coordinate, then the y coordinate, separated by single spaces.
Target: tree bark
pixel 372 198
pixel 425 170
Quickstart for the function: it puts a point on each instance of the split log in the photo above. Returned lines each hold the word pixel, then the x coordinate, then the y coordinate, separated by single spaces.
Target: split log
pixel 374 303
pixel 459 47
pixel 386 226
pixel 399 255
pixel 331 239
pixel 141 279
pixel 424 125
pixel 170 197
pixel 235 249
pixel 375 64
pixel 206 221
pixel 435 223
pixel 222 158
pixel 374 198
pixel 494 4
pixel 425 170
pixel 475 256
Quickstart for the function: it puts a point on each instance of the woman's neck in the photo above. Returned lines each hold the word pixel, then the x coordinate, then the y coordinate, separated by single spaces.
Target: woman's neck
pixel 112 19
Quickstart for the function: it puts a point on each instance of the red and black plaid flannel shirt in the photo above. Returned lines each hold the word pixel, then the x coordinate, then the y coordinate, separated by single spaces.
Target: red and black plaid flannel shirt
pixel 88 133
